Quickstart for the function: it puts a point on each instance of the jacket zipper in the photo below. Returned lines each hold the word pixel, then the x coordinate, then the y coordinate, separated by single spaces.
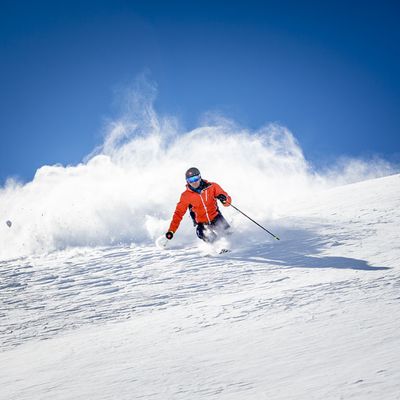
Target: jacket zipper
pixel 205 209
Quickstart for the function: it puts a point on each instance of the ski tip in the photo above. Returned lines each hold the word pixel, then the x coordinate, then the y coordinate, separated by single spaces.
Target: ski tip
pixel 222 251
pixel 276 237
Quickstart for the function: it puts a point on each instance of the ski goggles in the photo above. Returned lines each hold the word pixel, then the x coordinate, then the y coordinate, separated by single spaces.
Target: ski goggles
pixel 193 179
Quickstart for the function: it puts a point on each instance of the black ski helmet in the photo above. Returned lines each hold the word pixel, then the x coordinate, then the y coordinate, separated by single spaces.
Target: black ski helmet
pixel 192 172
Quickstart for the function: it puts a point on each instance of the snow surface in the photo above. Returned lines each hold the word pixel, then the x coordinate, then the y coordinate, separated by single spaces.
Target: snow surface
pixel 314 316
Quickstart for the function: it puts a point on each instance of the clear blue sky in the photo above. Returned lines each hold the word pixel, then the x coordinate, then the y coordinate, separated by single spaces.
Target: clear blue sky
pixel 329 72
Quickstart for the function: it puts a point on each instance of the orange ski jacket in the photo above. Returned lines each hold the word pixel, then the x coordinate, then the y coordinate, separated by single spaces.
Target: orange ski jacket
pixel 202 204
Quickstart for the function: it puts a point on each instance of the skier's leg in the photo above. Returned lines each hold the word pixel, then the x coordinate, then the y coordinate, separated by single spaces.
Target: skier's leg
pixel 204 233
pixel 209 234
pixel 220 224
pixel 200 231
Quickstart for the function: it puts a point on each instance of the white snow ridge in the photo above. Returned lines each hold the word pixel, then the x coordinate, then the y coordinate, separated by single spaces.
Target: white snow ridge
pixel 313 316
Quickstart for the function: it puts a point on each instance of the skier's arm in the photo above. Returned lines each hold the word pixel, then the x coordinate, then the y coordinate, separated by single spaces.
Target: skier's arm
pixel 180 211
pixel 222 195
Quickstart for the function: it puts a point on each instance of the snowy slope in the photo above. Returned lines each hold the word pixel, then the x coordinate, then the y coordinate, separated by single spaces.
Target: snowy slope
pixel 314 316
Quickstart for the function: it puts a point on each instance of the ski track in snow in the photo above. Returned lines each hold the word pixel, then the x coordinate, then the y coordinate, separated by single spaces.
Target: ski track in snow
pixel 313 316
pixel 41 298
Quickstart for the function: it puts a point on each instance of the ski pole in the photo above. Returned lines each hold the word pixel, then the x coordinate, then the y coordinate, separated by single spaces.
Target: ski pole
pixel 266 230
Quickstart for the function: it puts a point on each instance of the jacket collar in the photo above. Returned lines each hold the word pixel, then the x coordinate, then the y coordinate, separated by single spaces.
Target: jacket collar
pixel 203 185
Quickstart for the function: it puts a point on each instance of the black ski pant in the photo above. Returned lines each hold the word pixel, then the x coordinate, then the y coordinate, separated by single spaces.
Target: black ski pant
pixel 210 232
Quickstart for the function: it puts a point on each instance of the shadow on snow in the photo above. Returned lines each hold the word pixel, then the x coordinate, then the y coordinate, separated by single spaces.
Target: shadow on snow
pixel 300 249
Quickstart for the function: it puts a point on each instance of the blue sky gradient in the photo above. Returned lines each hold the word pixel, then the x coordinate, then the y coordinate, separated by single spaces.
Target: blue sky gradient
pixel 329 72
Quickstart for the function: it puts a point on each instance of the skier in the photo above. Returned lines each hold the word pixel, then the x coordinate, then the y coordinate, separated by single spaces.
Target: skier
pixel 201 197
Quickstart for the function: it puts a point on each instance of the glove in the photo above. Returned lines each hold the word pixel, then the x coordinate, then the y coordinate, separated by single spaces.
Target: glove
pixel 169 235
pixel 222 198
